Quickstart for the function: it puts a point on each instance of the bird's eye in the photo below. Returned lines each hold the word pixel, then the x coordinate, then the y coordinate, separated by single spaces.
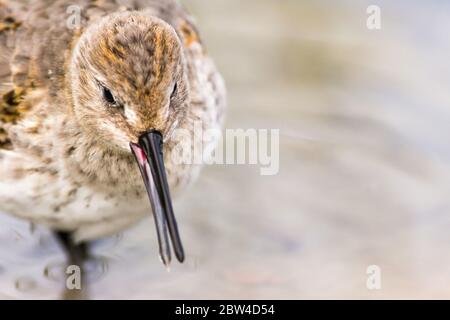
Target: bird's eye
pixel 174 92
pixel 108 96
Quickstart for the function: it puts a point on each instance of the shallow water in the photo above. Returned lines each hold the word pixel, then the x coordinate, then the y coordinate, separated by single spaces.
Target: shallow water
pixel 364 167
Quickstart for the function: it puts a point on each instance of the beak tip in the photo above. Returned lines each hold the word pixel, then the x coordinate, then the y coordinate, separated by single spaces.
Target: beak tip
pixel 181 258
pixel 165 261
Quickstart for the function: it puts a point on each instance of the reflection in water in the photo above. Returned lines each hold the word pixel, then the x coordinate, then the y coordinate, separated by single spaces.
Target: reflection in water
pixel 363 180
pixel 25 284
pixel 56 271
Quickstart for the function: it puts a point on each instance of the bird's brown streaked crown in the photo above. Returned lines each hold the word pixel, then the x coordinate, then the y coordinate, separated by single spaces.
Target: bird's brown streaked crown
pixel 139 61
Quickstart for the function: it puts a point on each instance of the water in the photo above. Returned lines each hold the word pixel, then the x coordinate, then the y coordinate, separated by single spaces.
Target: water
pixel 363 180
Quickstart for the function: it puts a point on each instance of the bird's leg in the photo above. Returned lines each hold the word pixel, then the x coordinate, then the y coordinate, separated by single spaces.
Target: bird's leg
pixel 77 255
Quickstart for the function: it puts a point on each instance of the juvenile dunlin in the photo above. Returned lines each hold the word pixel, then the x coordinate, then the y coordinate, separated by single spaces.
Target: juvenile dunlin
pixel 89 110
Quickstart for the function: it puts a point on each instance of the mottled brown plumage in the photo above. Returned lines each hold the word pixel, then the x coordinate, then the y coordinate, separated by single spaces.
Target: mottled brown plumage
pixel 73 98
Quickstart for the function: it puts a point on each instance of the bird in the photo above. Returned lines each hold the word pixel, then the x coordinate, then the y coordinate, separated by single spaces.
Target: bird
pixel 92 95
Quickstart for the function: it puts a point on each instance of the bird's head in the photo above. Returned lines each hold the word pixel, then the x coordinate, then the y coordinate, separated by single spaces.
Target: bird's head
pixel 128 76
pixel 129 88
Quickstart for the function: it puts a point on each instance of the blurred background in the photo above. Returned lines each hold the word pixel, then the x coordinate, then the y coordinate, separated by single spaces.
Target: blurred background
pixel 364 177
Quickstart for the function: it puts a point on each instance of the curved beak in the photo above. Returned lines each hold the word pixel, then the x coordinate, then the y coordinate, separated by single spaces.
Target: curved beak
pixel 149 156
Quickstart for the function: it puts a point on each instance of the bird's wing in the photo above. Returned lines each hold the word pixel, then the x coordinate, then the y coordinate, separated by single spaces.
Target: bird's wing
pixel 33 42
pixel 10 95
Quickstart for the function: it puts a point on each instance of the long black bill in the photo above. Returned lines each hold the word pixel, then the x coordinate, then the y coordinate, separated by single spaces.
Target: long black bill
pixel 149 156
